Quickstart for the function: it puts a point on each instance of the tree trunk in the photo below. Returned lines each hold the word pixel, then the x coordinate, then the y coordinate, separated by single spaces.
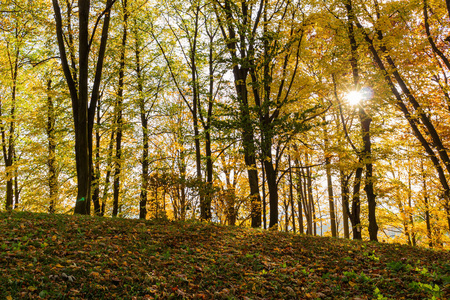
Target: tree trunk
pixel 448 7
pixel 82 154
pixel 312 212
pixel 306 203
pixel 369 179
pixel 334 232
pixel 94 102
pixel 119 112
pixel 403 215
pixel 410 211
pixel 356 205
pixel 8 153
pixel 145 139
pixel 345 192
pixel 205 213
pixel 208 152
pixel 240 77
pixel 8 138
pixel 96 166
pixel 240 72
pixel 248 146
pixel 83 117
pixel 291 194
pixel 427 206
pixel 273 193
pixel 264 204
pixel 300 197
pixel 365 127
pixel 430 38
pixel 17 189
pixel 414 121
pixel 51 161
pixel 108 173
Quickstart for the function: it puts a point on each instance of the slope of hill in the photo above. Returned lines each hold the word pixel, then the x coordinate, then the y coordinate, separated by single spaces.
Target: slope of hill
pixel 72 257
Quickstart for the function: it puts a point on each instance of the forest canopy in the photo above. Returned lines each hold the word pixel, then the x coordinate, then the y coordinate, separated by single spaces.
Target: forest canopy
pixel 317 117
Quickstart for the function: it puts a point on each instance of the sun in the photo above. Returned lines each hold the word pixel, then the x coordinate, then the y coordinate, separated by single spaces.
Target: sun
pixel 354 97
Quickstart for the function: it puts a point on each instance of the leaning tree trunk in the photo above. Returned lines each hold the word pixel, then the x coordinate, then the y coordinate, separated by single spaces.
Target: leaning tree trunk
pixel 422 119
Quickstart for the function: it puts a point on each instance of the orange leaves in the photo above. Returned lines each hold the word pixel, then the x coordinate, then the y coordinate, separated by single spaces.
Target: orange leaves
pixel 203 261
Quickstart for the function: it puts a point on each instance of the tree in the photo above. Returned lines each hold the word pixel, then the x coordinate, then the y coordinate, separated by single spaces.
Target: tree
pixel 119 109
pixel 77 77
pixel 430 139
pixel 239 27
pixel 365 119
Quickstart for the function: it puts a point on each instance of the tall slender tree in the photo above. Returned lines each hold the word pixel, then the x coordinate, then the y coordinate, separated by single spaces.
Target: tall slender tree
pixel 77 78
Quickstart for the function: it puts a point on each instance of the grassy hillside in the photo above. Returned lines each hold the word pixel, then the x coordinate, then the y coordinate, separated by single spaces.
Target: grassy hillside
pixel 72 257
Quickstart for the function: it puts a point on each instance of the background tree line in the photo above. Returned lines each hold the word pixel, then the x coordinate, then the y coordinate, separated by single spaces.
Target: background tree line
pixel 236 112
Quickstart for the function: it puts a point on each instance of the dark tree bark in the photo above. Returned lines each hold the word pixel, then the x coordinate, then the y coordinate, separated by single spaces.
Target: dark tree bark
pixel 8 135
pixel 334 232
pixel 291 193
pixel 16 186
pixel 51 160
pixel 119 113
pixel 8 156
pixel 207 126
pixel 307 209
pixel 286 202
pixel 300 197
pixel 273 192
pixel 108 173
pixel 182 184
pixel 264 203
pixel 427 206
pixel 205 206
pixel 410 211
pixel 421 120
pixel 94 102
pixel 365 119
pixel 345 192
pixel 145 139
pixel 355 215
pixel 270 105
pixel 312 226
pixel 240 51
pixel 369 179
pixel 96 166
pixel 83 117
pixel 430 38
pixel 240 77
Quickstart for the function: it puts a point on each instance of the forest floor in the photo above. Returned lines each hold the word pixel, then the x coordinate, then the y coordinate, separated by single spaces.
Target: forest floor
pixel 77 257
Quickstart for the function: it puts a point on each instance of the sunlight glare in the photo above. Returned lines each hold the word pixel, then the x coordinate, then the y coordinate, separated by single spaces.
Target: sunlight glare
pixel 354 97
